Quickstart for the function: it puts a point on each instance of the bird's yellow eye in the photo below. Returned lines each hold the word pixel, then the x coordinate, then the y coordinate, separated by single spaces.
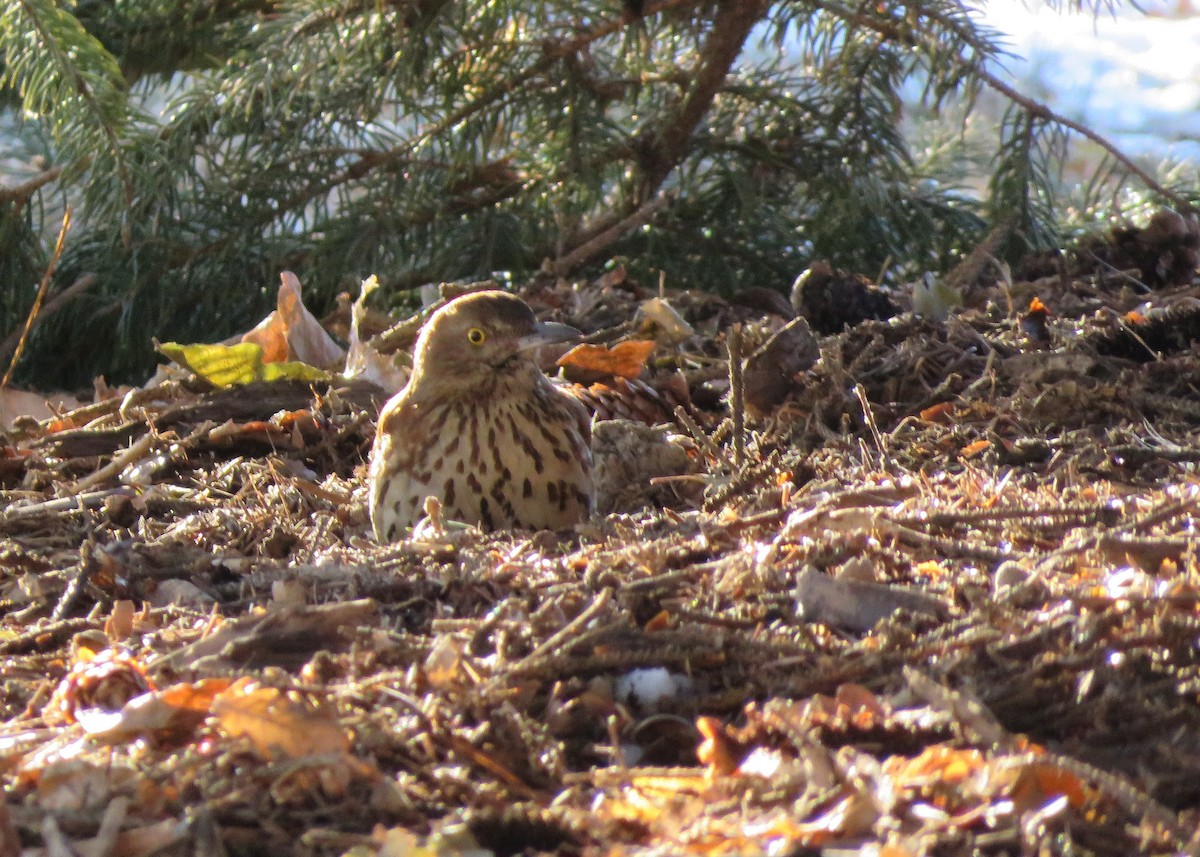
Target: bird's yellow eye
pixel 476 336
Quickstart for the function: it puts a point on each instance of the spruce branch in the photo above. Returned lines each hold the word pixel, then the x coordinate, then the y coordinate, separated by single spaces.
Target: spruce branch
pixel 597 244
pixel 428 140
pixel 52 61
pixel 1039 110
pixel 972 65
pixel 552 53
pixel 731 26
pixel 20 194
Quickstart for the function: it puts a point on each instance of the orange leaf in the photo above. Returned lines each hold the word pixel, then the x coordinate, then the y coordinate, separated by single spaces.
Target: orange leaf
pixel 930 568
pixel 1037 784
pixel 860 706
pixel 718 750
pixel 972 449
pixel 625 359
pixel 939 413
pixel 291 332
pixel 938 763
pixel 660 621
pixel 170 715
pixel 277 724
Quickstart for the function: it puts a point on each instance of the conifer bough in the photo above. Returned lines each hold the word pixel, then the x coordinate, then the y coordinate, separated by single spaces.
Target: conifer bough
pixel 206 146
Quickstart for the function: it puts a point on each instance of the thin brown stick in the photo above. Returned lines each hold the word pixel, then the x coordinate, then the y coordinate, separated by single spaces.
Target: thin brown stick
pixel 737 395
pixel 60 300
pixel 562 634
pixel 41 294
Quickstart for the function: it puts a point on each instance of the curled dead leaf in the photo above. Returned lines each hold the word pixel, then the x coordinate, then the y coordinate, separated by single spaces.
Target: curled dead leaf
pixel 277 724
pixel 291 332
pixel 623 360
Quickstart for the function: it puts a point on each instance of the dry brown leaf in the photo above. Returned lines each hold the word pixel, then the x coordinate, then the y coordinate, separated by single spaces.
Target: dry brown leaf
pixel 363 360
pixel 852 816
pixel 131 842
pixel 78 784
pixel 719 752
pixel 771 372
pixel 170 715
pixel 119 625
pixel 939 763
pixel 292 333
pixel 40 406
pixel 1037 784
pixel 657 317
pixel 270 334
pixel 855 604
pixel 277 724
pixel 624 360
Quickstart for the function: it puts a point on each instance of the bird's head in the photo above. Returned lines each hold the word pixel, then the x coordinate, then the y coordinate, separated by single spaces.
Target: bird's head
pixel 476 338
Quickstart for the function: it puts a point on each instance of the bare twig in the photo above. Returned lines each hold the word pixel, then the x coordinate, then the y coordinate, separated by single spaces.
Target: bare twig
pixel 869 420
pixel 569 629
pixel 698 434
pixel 45 638
pixel 137 450
pixel 50 308
pixel 41 294
pixel 1042 111
pixel 737 395
pixel 730 28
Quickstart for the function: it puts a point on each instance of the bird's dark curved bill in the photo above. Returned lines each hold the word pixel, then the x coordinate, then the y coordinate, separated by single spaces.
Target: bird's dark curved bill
pixel 548 332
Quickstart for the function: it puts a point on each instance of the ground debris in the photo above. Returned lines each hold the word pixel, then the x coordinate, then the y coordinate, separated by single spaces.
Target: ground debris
pixel 938 592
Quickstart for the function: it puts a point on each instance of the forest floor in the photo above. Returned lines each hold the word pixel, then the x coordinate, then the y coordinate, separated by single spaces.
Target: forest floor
pixel 944 598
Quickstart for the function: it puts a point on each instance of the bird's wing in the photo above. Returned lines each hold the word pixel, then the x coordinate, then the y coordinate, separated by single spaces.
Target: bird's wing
pixel 395 434
pixel 581 413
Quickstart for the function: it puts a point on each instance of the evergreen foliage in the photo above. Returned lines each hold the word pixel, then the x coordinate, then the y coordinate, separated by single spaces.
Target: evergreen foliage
pixel 205 145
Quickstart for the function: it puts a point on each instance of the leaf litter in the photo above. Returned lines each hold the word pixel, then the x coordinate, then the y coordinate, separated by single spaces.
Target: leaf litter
pixel 935 591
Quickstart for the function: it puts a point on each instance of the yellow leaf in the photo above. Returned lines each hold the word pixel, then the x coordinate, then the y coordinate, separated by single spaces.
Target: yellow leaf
pixel 226 365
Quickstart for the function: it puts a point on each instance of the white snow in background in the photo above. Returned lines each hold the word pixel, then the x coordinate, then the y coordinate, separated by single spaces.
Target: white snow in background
pixel 1132 76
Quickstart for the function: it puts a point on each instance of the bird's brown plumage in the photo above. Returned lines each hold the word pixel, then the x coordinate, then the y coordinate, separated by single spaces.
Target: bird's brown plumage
pixel 481 428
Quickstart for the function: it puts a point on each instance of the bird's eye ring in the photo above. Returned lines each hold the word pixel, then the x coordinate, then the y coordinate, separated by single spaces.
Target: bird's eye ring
pixel 476 336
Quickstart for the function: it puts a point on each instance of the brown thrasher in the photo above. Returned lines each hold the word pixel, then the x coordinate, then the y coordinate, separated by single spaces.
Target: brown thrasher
pixel 479 427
